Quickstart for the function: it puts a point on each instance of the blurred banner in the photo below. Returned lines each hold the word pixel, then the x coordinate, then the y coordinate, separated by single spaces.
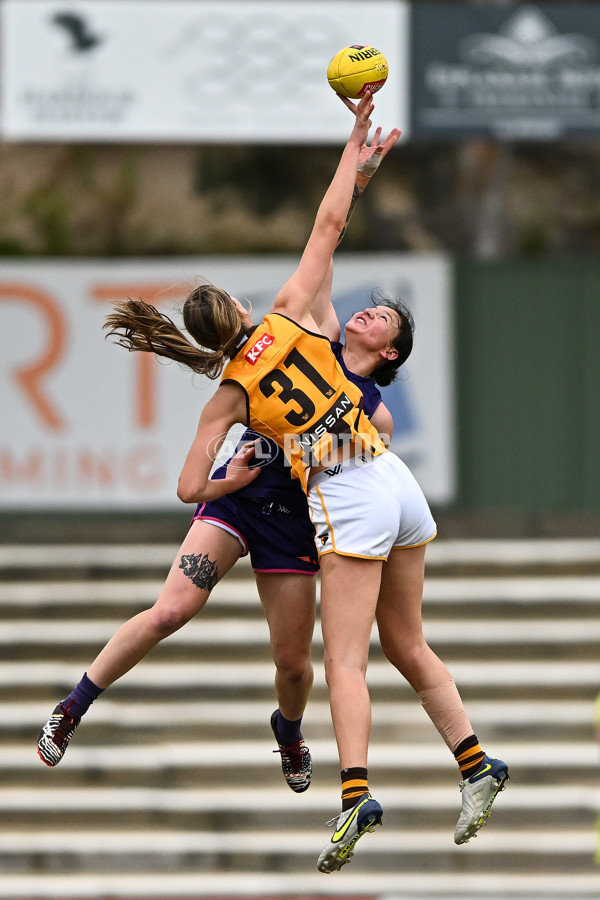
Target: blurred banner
pixel 190 70
pixel 84 423
pixel 513 71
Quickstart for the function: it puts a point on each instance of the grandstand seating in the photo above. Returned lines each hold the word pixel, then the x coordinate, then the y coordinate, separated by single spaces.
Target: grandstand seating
pixel 171 789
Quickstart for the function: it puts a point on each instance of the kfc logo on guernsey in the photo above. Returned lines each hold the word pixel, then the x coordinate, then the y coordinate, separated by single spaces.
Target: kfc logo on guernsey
pixel 257 348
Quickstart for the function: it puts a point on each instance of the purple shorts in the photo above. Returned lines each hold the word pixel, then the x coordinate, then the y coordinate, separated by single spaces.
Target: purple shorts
pixel 278 535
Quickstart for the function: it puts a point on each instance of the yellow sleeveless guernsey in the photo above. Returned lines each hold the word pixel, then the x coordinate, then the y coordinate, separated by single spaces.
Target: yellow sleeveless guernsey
pixel 298 395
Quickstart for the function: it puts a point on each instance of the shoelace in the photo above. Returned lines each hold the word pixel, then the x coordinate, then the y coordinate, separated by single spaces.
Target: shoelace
pixel 295 755
pixel 65 729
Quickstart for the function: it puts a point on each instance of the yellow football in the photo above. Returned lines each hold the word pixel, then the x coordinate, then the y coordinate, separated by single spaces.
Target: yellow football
pixel 357 69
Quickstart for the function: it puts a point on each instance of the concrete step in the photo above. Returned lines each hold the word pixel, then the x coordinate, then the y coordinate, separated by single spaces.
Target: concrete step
pixel 111 722
pixel 152 843
pixel 539 676
pixel 467 632
pixel 265 798
pixel 544 591
pixel 172 850
pixel 440 553
pixel 394 885
pixel 239 718
pixel 406 758
pixel 269 806
pixel 513 554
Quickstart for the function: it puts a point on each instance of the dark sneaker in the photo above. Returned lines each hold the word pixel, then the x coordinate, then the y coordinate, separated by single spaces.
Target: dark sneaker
pixel 349 826
pixel 296 761
pixel 54 737
pixel 478 793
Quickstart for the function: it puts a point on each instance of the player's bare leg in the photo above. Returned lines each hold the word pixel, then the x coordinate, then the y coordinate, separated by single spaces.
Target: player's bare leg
pixel 205 555
pixel 289 602
pixel 401 635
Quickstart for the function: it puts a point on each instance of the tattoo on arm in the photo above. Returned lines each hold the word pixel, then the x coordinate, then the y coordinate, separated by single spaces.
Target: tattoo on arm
pixel 201 570
pixel 358 189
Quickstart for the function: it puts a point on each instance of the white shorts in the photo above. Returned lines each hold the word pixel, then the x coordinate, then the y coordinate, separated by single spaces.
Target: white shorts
pixel 366 510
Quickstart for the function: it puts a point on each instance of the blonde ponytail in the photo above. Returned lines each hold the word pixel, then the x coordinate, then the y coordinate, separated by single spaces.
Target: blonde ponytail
pixel 210 317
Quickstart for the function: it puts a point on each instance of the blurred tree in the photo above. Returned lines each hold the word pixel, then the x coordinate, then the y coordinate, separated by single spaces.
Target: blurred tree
pixel 476 198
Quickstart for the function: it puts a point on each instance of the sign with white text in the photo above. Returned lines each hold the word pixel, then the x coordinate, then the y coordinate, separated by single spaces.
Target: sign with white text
pixel 86 424
pixel 515 71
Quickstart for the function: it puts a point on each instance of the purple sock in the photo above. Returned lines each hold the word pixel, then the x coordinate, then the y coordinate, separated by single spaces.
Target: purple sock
pixel 79 700
pixel 288 732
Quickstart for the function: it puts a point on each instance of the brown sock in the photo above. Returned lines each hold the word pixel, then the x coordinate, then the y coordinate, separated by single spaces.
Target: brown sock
pixel 354 785
pixel 469 756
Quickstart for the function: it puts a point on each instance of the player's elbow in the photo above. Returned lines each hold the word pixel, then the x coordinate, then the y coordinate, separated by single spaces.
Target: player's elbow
pixel 189 492
pixel 184 495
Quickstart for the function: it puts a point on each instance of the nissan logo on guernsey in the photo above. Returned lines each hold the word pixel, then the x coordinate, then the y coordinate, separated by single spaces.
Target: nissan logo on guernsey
pixel 331 449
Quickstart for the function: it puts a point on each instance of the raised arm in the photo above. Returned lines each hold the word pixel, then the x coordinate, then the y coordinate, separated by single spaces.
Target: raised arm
pixel 298 294
pixel 369 161
pixel 322 310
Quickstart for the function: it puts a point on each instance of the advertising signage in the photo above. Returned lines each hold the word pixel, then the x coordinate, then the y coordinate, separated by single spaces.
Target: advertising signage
pixel 520 71
pixel 207 71
pixel 89 426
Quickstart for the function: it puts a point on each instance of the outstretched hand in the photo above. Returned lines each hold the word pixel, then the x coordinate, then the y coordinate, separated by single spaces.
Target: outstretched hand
pixel 371 156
